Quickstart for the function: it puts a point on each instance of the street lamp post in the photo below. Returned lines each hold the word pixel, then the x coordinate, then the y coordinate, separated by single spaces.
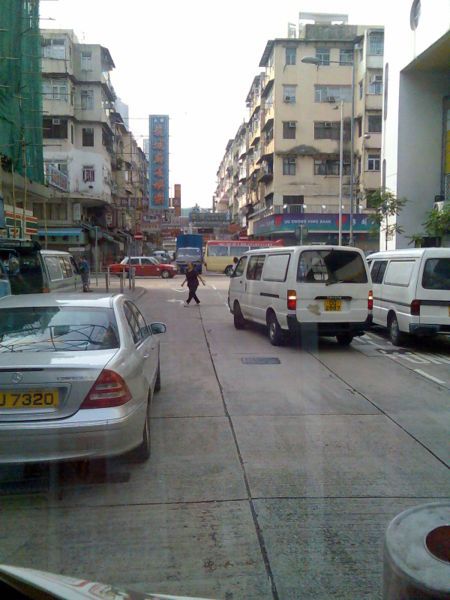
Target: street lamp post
pixel 341 169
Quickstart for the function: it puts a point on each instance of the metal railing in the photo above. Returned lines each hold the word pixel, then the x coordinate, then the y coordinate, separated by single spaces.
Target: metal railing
pixel 122 277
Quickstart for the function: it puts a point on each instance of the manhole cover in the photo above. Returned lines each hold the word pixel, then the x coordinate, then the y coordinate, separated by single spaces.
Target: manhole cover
pixel 260 360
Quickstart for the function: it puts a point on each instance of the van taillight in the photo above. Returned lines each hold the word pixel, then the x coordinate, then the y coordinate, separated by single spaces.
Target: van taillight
pixel 292 300
pixel 109 390
pixel 415 308
pixel 370 301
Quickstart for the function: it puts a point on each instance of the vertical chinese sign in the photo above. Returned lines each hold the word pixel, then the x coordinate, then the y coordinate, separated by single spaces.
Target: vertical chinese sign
pixel 177 199
pixel 159 161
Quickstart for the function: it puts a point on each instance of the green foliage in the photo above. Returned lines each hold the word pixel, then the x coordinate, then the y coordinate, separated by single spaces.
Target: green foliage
pixel 385 204
pixel 437 222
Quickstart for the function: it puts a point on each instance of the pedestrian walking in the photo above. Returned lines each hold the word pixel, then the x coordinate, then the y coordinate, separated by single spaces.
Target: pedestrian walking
pixel 84 272
pixel 192 278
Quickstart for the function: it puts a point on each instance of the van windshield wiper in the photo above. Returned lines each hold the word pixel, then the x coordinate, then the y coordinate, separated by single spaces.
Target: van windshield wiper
pixel 335 281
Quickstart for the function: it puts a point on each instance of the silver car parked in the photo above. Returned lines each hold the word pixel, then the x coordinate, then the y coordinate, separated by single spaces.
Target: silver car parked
pixel 77 376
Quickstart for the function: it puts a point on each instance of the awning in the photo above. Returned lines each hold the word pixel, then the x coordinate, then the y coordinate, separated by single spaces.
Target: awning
pixel 61 232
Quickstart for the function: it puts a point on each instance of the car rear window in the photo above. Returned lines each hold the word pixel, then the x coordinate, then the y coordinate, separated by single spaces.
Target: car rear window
pixel 331 266
pixel 57 329
pixel 24 270
pixel 436 274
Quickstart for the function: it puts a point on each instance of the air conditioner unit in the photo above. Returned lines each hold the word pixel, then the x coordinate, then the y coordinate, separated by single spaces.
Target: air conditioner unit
pixel 292 124
pixel 376 79
pixel 289 99
pixel 331 99
pixel 56 121
pixel 327 124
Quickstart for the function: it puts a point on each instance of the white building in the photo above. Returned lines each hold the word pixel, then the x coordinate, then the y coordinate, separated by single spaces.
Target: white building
pixel 416 112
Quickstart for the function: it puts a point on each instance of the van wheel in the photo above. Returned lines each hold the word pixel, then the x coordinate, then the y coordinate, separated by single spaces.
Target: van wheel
pixel 395 335
pixel 276 336
pixel 228 271
pixel 344 339
pixel 238 317
pixel 165 274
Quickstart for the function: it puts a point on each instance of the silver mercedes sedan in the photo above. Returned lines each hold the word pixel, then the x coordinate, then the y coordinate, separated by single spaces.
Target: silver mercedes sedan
pixel 77 377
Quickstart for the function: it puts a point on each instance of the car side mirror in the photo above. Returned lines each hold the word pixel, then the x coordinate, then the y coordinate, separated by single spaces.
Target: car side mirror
pixel 157 328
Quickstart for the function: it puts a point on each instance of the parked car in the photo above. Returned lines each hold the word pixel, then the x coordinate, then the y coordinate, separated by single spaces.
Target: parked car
pixel 77 377
pixel 32 270
pixel 411 291
pixel 162 256
pixel 323 289
pixel 145 266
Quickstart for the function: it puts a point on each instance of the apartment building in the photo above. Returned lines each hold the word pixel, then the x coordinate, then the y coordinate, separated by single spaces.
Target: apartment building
pixel 292 157
pixel 80 152
pixel 416 116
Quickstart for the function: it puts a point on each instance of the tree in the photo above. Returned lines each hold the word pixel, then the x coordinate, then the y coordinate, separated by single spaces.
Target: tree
pixel 385 205
pixel 436 225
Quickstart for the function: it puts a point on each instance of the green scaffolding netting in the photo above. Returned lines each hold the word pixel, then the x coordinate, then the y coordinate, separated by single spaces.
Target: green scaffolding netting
pixel 21 87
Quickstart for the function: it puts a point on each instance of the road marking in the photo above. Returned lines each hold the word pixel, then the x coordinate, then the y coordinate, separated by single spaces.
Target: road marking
pixel 178 291
pixel 430 357
pixel 435 379
pixel 173 300
pixel 213 287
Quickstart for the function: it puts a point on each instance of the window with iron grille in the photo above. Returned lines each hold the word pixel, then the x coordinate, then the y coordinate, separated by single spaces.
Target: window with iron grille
pixel 54 128
pixel 329 167
pixel 88 173
pixel 289 93
pixel 346 56
pixel 289 129
pixel 289 165
pixel 330 130
pixel 374 124
pixel 87 99
pixel 332 93
pixel 88 136
pixel 291 55
pixel 376 43
pixel 323 54
pixel 373 162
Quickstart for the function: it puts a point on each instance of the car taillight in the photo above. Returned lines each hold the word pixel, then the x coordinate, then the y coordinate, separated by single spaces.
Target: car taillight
pixel 109 390
pixel 415 308
pixel 370 301
pixel 292 300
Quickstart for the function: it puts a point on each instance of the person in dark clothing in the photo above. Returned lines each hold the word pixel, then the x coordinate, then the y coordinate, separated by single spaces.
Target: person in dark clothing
pixel 192 278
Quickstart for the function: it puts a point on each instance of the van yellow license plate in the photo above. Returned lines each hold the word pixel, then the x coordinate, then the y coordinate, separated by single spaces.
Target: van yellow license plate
pixel 29 399
pixel 333 304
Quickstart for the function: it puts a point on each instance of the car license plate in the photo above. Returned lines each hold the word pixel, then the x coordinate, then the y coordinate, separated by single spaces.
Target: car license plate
pixel 29 399
pixel 333 304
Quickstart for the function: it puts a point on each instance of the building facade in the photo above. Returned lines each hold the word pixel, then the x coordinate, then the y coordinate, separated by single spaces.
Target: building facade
pixel 280 175
pixel 416 138
pixel 91 159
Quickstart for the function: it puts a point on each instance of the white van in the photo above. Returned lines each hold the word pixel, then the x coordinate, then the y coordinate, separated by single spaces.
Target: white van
pixel 411 290
pixel 326 289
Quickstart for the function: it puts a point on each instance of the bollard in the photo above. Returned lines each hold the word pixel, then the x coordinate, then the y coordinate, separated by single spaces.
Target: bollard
pixel 107 279
pixel 417 554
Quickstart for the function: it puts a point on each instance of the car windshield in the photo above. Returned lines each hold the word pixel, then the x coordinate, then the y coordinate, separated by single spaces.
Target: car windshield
pixel 189 252
pixel 57 329
pixel 331 266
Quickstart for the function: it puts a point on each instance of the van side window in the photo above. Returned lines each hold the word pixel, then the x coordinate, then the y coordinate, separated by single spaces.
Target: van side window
pixel 255 267
pixel 399 272
pixel 240 267
pixel 74 265
pixel 378 270
pixel 276 266
pixel 54 268
pixel 66 267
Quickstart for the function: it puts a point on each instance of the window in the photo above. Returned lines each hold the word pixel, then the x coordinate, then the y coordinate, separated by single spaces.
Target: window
pixel 361 89
pixel 132 322
pixel 87 99
pixel 86 60
pixel 219 250
pixel 346 56
pixel 386 82
pixel 54 268
pixel 331 266
pixel 376 84
pixel 329 167
pixel 289 164
pixel 255 267
pixel 376 43
pixel 88 136
pixel 436 274
pixel 399 272
pixel 373 162
pixel 289 93
pixel 55 128
pixel 54 48
pixel 289 128
pixel 55 90
pixel 66 267
pixel 378 270
pixel 240 267
pixel 332 93
pixel 291 55
pixel 141 324
pixel 89 174
pixel 330 130
pixel 323 54
pixel 276 266
pixel 374 124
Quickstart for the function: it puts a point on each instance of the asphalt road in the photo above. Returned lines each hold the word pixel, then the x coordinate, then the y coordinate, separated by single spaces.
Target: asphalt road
pixel 274 471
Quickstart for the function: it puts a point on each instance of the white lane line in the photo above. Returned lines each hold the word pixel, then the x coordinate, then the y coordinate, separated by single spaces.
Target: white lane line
pixel 429 358
pixel 373 343
pixel 178 291
pixel 435 379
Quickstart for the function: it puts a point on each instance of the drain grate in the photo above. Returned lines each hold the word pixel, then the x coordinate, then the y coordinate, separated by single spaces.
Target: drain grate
pixel 260 360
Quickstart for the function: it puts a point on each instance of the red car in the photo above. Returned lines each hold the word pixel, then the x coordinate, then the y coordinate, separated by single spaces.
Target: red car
pixel 145 266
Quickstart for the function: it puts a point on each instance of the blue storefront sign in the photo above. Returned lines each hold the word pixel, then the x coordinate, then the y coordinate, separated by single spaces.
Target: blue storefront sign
pixel 159 161
pixel 314 222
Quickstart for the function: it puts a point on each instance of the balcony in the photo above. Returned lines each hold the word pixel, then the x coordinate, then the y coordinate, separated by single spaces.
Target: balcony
pixel 56 178
pixel 374 102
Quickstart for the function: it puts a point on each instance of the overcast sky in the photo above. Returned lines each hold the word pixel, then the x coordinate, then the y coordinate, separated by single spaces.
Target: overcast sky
pixel 194 61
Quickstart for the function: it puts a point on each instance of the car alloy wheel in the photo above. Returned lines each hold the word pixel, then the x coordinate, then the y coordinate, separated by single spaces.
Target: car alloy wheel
pixel 165 274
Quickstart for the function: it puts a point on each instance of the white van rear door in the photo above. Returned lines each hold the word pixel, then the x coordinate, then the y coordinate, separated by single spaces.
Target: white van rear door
pixel 433 290
pixel 332 286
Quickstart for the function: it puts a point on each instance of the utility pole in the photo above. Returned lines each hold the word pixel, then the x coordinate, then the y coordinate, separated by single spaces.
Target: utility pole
pixel 341 169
